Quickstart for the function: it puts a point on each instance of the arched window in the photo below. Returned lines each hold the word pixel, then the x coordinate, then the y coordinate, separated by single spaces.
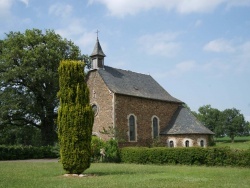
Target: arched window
pixel 155 127
pixel 171 144
pixel 132 128
pixel 202 143
pixel 95 109
pixel 187 143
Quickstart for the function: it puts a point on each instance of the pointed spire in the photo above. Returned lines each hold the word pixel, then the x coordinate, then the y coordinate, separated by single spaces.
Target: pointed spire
pixel 97 49
pixel 97 56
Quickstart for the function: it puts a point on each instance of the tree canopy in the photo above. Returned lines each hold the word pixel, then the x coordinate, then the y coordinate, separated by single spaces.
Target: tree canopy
pixel 229 122
pixel 29 64
pixel 233 123
pixel 210 117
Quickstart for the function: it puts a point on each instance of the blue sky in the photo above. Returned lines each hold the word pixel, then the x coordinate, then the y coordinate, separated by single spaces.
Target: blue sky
pixel 198 50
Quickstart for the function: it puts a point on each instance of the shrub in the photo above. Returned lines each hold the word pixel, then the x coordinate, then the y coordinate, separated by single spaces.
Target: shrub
pixel 186 156
pixel 25 135
pixel 96 145
pixel 27 152
pixel 110 149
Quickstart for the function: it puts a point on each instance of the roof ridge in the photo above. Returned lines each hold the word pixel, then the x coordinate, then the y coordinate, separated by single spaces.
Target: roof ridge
pixel 127 70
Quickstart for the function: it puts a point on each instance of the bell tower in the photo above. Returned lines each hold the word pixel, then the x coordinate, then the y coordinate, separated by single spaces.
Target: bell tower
pixel 97 56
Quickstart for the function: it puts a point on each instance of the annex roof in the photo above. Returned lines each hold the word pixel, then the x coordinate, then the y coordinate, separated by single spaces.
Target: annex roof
pixel 184 122
pixel 134 84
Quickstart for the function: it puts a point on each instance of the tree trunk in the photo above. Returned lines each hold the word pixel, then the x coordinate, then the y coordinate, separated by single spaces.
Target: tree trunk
pixel 232 139
pixel 48 131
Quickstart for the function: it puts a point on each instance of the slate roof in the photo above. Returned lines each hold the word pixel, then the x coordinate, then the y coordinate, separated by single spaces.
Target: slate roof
pixel 97 49
pixel 184 122
pixel 134 84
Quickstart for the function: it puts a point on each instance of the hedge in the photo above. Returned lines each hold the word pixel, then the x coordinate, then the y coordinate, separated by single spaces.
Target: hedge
pixel 186 156
pixel 142 155
pixel 27 152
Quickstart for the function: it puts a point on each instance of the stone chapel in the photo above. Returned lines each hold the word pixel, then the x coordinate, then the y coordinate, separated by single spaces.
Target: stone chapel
pixel 139 109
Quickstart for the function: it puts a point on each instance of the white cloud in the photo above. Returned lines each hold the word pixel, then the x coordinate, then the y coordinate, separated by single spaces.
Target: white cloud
pixel 190 6
pixel 73 28
pixel 230 64
pixel 76 32
pixel 237 59
pixel 185 66
pixel 245 49
pixel 87 41
pixel 232 3
pixel 235 62
pixel 219 45
pixel 182 68
pixel 162 44
pixel 217 67
pixel 6 3
pixel 5 6
pixel 26 2
pixel 61 10
pixel 121 8
pixel 243 58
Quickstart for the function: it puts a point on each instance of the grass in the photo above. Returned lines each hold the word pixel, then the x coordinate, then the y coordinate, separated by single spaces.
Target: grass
pixel 239 142
pixel 50 174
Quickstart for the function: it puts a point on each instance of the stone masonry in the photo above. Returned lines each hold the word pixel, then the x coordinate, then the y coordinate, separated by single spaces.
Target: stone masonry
pixel 144 110
pixel 101 96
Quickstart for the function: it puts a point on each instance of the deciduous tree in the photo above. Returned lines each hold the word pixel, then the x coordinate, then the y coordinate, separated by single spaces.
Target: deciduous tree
pixel 233 123
pixel 210 117
pixel 29 79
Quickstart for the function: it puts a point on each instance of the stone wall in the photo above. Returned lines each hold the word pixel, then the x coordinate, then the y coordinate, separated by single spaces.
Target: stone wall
pixel 143 109
pixel 179 140
pixel 101 96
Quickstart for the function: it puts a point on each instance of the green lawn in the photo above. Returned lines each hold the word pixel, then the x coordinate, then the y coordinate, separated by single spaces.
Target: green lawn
pixel 239 143
pixel 50 174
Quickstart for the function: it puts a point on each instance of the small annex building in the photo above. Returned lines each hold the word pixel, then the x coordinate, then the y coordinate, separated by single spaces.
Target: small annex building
pixel 139 109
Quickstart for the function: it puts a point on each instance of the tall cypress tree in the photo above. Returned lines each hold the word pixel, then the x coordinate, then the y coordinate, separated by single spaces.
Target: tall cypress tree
pixel 75 117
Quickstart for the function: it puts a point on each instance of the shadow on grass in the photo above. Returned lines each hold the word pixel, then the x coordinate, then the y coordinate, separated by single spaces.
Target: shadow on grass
pixel 119 169
pixel 108 173
pixel 98 173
